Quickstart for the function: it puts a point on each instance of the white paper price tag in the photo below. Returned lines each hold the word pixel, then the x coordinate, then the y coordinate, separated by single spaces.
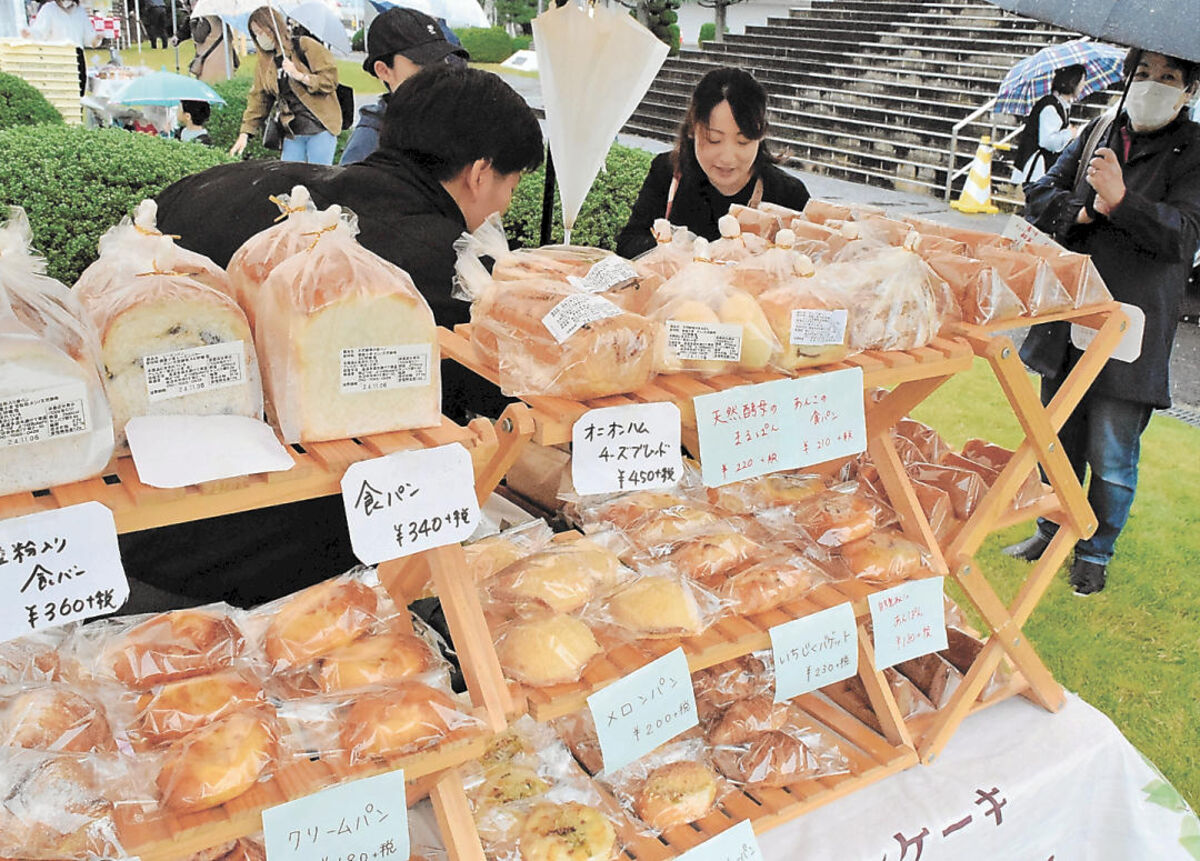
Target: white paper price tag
pixel 829 410
pixel 576 311
pixel 738 843
pixel 176 451
pixel 626 448
pixel 365 820
pixel 641 711
pixel 410 501
pixel 812 327
pixel 196 369
pixel 909 621
pixel 59 566
pixel 1130 345
pixel 1022 233
pixel 814 651
pixel 705 342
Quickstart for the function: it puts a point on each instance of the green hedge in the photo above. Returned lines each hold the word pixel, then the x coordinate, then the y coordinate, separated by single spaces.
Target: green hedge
pixel 604 212
pixel 76 183
pixel 358 42
pixel 22 105
pixel 521 43
pixel 486 44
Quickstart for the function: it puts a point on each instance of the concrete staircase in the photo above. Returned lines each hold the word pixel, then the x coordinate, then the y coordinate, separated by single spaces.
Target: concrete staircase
pixel 869 90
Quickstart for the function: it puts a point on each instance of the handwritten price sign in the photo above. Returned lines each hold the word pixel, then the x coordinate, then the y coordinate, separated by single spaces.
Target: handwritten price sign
pixel 365 820
pixel 733 844
pixel 59 566
pixel 648 707
pixel 753 430
pixel 909 621
pixel 633 447
pixel 814 651
pixel 410 501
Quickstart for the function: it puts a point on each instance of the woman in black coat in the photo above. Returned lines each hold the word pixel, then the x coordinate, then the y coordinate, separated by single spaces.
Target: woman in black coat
pixel 1142 229
pixel 720 158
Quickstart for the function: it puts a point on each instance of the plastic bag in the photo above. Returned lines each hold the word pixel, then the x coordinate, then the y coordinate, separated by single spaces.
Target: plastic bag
pixel 982 294
pixel 402 718
pixel 349 345
pixel 545 338
pixel 811 321
pixel 832 518
pixel 706 325
pixel 545 649
pixel 767 491
pixel 885 558
pixel 298 224
pixel 136 243
pixel 733 247
pixel 178 708
pixel 964 487
pixel 1077 273
pixel 781 757
pixel 59 806
pixel 673 785
pixel 31 658
pixel 1031 278
pixel 57 426
pixel 219 762
pixel 656 266
pixel 779 264
pixel 563 577
pixel 55 717
pixel 659 604
pixel 492 554
pixel 709 554
pixel 893 294
pixel 987 460
pixel 927 442
pixel 171 345
pixel 762 586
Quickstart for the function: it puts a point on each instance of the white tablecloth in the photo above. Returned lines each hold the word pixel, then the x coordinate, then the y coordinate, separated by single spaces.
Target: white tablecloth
pixel 1015 782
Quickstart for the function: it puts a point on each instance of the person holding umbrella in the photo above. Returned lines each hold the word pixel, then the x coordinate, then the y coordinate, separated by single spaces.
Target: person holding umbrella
pixel 1133 205
pixel 296 79
pixel 1047 132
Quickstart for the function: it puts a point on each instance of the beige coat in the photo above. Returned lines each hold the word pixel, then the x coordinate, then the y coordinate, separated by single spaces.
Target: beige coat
pixel 319 94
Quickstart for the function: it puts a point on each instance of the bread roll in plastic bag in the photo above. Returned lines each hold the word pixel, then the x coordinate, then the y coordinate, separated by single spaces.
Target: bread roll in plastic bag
pixel 1076 271
pixel 964 486
pixel 779 264
pixel 1031 278
pixel 31 658
pixel 981 292
pixel 55 422
pixel 349 344
pixel 137 242
pixel 754 220
pixel 298 223
pixel 885 557
pixel 170 345
pixel 656 266
pixel 219 762
pixel 707 326
pixel 894 296
pixel 811 321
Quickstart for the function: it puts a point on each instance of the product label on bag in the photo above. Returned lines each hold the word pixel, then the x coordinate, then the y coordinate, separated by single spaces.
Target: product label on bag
pixel 605 274
pixel 197 369
pixel 361 820
pixel 812 327
pixel 576 311
pixel 372 369
pixel 703 342
pixel 44 414
pixel 59 566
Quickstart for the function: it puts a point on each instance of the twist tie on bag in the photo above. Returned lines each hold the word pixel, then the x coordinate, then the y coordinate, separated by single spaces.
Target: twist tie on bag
pixel 152 231
pixel 284 209
pixel 168 273
pixel 318 234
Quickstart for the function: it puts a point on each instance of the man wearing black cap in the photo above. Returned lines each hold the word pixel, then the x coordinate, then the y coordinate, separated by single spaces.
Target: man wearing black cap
pixel 399 43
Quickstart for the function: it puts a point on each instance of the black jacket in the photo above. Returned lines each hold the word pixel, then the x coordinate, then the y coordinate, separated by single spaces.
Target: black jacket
pixel 697 204
pixel 1144 252
pixel 404 214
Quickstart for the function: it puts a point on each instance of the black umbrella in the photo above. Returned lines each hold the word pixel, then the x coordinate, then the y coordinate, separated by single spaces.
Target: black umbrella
pixel 1170 27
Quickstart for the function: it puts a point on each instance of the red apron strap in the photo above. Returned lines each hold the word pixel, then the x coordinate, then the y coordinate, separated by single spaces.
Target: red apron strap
pixel 671 195
pixel 756 195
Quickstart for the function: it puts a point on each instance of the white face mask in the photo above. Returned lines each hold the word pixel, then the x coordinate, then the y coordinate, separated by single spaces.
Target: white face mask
pixel 265 43
pixel 1152 105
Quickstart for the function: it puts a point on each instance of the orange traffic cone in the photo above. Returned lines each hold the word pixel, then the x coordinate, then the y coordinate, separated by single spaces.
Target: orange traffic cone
pixel 976 197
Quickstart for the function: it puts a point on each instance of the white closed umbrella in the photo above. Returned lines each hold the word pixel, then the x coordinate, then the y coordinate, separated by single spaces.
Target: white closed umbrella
pixel 595 66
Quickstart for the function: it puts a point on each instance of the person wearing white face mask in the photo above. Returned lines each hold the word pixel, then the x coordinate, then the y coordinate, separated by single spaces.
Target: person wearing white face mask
pixel 1142 229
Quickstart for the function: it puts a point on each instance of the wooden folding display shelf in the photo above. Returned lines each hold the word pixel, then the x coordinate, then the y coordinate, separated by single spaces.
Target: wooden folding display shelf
pixel 158 835
pixel 1039 447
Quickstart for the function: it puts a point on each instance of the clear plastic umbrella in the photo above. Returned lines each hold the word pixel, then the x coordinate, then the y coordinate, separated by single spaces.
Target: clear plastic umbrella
pixel 321 21
pixel 595 65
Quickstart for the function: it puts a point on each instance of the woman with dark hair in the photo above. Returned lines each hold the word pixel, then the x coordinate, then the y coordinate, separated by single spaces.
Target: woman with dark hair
pixel 299 73
pixel 721 157
pixel 1047 131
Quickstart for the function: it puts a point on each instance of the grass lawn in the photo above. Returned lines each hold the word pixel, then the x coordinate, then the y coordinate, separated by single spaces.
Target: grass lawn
pixel 1133 650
